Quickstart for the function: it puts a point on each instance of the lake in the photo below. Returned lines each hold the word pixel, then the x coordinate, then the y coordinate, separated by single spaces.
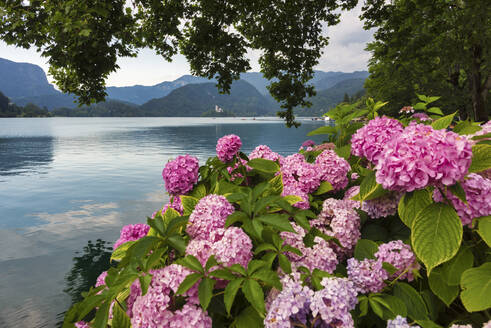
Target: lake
pixel 68 185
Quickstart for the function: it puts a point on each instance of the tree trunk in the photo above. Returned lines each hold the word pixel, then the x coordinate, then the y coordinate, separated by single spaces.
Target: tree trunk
pixel 478 90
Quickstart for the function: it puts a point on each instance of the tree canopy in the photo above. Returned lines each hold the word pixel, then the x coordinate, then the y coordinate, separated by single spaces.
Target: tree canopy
pixel 83 39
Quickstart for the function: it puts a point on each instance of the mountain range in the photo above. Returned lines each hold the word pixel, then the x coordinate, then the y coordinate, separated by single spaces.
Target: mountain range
pixel 186 96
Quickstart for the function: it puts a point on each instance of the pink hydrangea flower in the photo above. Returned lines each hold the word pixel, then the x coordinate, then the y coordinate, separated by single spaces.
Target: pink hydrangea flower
pixel 421 156
pixel 227 147
pixel 478 195
pixel 381 207
pixel 333 169
pixel 101 279
pixel 367 275
pixel 321 256
pixel 82 324
pixel 421 116
pixel 370 140
pixel 210 213
pixel 307 144
pixel 181 174
pixel 263 151
pixel 174 203
pixel 135 291
pixel 406 110
pixel 293 188
pixel 294 239
pixel 400 256
pixel 155 308
pixel 132 232
pixel 297 171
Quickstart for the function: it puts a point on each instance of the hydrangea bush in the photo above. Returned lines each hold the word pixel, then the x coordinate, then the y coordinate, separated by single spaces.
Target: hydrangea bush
pixel 386 224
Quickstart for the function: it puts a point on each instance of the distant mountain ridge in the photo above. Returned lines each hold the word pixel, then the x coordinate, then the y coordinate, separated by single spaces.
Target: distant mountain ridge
pixel 27 83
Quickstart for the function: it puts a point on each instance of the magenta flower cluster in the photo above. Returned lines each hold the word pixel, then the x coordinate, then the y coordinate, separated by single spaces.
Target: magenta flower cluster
pixel 299 305
pixel 421 117
pixel 227 147
pixel 307 144
pixel 333 169
pixel 181 174
pixel 421 156
pixel 263 151
pixel 156 308
pixel 210 213
pixel 400 256
pixel 478 196
pixel 370 140
pixel 132 232
pixel 175 203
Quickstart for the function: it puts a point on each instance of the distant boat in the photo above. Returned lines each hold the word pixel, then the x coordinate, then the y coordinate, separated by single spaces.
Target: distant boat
pixel 326 118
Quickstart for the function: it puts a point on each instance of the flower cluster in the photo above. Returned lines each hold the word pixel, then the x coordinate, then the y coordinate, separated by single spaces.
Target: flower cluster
pixel 421 117
pixel 101 279
pixel 370 140
pixel 399 322
pixel 333 169
pixel 368 275
pixel 210 213
pixel 174 203
pixel 264 152
pixel 406 110
pixel 421 156
pixel 227 147
pixel 132 232
pixel 400 256
pixel 297 171
pixel 158 307
pixel 321 256
pixel 478 196
pixel 180 174
pixel 297 304
pixel 380 207
pixel 339 219
pixel 307 144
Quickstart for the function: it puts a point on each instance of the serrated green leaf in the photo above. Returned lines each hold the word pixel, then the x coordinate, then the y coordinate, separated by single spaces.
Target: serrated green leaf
pixel 188 204
pixel 269 277
pixel 323 188
pixel 292 199
pixel 178 243
pixel 389 268
pixel 466 127
pixel 192 263
pixel 411 204
pixel 255 295
pixel 238 268
pixel 458 191
pixel 370 189
pixel 264 165
pixel 277 184
pixel 102 315
pixel 237 216
pixel 344 151
pixel 230 291
pixel 188 282
pixel 441 288
pixel 279 221
pixel 443 122
pixel 145 281
pixel 481 158
pixel 248 318
pixel 476 288
pixel 255 265
pixel 223 274
pixel 416 308
pixel 120 252
pixel 453 269
pixel 484 228
pixel 120 318
pixel 436 234
pixel 285 263
pixel 199 191
pixel 211 262
pixel 324 130
pixel 387 306
pixel 205 292
pixel 435 110
pixel 365 249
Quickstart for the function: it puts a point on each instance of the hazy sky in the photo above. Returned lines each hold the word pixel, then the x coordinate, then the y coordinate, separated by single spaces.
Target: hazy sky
pixel 345 53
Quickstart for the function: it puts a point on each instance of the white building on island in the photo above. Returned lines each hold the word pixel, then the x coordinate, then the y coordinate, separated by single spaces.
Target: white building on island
pixel 218 109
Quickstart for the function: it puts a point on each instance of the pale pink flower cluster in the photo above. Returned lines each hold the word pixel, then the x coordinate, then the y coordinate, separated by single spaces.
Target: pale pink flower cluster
pixel 370 140
pixel 400 322
pixel 339 219
pixel 210 213
pixel 380 207
pixel 156 308
pixel 421 116
pixel 82 324
pixel 333 169
pixel 101 279
pixel 400 256
pixel 368 275
pixel 297 171
pixel 478 196
pixel 298 305
pixel 421 156
pixel 295 190
pixel 227 147
pixel 181 174
pixel 307 144
pixel 406 110
pixel 263 151
pixel 132 232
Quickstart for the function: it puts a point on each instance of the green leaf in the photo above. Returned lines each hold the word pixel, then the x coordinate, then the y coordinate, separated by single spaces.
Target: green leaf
pixel 387 306
pixel 420 106
pixel 276 184
pixel 481 158
pixel 323 130
pixel 453 269
pixel 443 122
pixel 270 278
pixel 264 247
pixel 211 262
pixel 436 234
pixel 102 315
pixel 441 288
pixel 264 165
pixel 411 204
pixel 192 263
pixel 188 204
pixel 323 188
pixel 458 191
pixel 238 268
pixel 120 252
pixel 279 221
pixel 427 324
pixel 248 318
pixel 370 189
pixel 435 110
pixel 205 292
pixel 476 288
pixel 223 274
pixel 178 243
pixel 199 191
pixel 292 199
pixel 389 268
pixel 484 229
pixel 416 308
pixel 188 282
pixel 285 263
pixel 255 295
pixel 230 292
pixel 145 282
pixel 120 318
pixel 482 136
pixel 466 127
pixel 365 249
pixel 237 216
pixel 344 151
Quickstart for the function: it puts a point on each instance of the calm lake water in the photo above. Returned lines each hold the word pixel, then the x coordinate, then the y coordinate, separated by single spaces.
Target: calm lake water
pixel 67 185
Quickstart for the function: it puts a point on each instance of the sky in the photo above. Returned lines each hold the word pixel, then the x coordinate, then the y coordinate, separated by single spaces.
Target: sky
pixel 345 53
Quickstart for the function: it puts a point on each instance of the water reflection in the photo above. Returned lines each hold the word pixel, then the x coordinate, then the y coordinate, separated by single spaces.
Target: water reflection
pixel 90 262
pixel 19 155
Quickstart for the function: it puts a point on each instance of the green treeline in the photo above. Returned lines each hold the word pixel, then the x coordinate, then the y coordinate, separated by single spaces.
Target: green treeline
pixel 8 109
